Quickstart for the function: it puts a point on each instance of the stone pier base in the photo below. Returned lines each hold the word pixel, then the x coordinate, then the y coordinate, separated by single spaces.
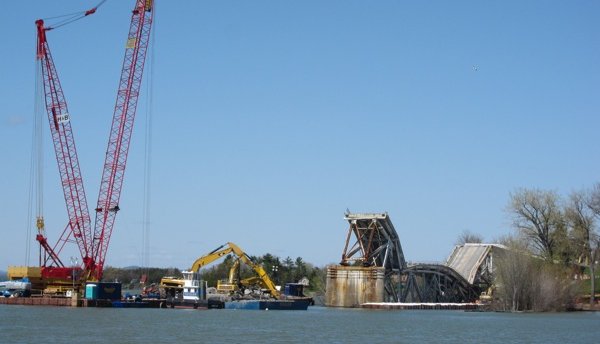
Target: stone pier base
pixel 352 286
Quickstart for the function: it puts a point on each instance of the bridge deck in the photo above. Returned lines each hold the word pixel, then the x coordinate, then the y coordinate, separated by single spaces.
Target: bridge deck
pixel 467 258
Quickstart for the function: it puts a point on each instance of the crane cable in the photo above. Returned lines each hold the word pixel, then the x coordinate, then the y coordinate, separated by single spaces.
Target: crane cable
pixel 148 154
pixel 36 173
pixel 36 163
pixel 32 169
pixel 73 17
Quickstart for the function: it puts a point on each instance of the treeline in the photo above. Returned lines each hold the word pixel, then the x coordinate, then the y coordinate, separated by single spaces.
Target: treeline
pixel 131 276
pixel 554 246
pixel 281 271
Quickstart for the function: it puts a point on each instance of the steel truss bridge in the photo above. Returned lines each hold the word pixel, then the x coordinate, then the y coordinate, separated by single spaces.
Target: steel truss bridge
pixel 372 242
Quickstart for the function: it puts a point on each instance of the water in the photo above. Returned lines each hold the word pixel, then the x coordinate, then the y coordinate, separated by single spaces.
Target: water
pixel 24 324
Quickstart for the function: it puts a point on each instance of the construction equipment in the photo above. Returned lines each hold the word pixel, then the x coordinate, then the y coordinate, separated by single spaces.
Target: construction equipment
pixel 230 286
pixel 93 244
pixel 190 285
pixel 78 227
pixel 234 283
pixel 243 257
pixel 120 136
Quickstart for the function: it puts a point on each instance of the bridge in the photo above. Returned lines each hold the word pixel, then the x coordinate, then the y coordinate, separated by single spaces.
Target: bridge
pixel 373 268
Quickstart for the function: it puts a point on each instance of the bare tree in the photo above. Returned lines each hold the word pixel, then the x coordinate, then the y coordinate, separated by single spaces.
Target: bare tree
pixel 538 217
pixel 467 237
pixel 583 211
pixel 593 199
pixel 526 282
pixel 552 289
pixel 581 222
pixel 514 275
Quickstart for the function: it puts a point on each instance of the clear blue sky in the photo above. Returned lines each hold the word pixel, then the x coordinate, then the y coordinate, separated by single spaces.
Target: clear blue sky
pixel 270 118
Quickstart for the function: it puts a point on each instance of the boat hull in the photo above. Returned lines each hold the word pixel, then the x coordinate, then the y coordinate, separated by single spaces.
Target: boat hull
pixel 290 305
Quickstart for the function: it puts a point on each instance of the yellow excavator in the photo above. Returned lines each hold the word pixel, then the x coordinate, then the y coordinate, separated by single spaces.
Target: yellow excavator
pixel 188 285
pixel 234 282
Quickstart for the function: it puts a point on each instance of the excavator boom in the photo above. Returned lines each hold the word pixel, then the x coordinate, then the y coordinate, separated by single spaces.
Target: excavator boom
pixel 211 257
pixel 226 249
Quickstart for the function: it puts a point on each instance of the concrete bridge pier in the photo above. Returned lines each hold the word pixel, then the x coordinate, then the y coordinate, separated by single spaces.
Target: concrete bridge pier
pixel 351 286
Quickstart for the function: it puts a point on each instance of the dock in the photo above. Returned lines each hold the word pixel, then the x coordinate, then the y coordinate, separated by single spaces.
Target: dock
pixel 37 301
pixel 69 302
pixel 422 306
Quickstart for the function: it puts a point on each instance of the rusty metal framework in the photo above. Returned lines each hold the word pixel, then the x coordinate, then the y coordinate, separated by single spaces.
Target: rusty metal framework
pixel 376 244
pixel 372 242
pixel 435 283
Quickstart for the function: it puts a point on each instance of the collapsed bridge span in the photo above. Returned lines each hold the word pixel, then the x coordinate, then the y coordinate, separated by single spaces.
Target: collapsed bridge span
pixel 373 269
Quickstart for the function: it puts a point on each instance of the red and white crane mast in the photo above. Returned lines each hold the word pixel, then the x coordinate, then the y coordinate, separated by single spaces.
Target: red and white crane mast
pixel 120 134
pixel 66 155
pixel 93 244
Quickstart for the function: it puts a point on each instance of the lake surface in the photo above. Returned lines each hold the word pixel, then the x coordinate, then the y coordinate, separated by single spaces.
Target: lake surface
pixel 26 324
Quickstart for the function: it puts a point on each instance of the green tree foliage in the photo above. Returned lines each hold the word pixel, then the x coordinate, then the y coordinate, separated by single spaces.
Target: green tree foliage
pixel 218 271
pixel 132 276
pixel 289 270
pixel 280 271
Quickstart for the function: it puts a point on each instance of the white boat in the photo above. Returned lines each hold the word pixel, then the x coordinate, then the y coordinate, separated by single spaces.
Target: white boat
pixel 193 288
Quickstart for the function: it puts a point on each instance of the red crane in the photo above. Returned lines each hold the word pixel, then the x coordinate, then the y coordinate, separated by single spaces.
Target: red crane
pixel 93 245
pixel 68 162
pixel 120 134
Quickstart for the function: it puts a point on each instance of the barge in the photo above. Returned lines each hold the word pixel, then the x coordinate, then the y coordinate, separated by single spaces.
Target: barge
pixel 267 305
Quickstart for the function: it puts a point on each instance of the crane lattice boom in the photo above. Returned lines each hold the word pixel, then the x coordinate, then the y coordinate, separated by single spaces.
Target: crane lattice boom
pixel 66 152
pixel 93 244
pixel 120 134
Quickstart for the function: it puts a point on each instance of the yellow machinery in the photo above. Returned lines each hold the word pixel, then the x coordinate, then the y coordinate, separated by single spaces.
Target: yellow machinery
pixel 168 284
pixel 232 284
pixel 32 273
pixel 171 284
pixel 229 286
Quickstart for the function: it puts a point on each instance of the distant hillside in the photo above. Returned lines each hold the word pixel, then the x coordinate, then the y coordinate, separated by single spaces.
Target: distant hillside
pixel 132 267
pixel 3 276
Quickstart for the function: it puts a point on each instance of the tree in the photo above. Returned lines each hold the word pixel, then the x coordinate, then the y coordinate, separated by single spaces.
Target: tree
pixel 526 282
pixel 466 237
pixel 133 275
pixel 538 217
pixel 300 270
pixel 513 275
pixel 215 272
pixel 583 211
pixel 287 270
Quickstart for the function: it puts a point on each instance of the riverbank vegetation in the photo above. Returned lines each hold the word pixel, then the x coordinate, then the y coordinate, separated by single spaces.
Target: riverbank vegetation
pixel 132 277
pixel 553 252
pixel 550 263
pixel 280 270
